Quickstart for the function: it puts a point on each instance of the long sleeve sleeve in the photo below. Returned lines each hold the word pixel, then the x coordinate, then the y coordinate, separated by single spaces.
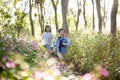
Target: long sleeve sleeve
pixel 56 43
pixel 67 42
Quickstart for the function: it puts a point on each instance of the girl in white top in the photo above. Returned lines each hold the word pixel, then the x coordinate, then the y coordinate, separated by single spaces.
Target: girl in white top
pixel 47 39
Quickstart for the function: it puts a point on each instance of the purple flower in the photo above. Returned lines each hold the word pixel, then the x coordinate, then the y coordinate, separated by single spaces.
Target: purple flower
pixel 12 47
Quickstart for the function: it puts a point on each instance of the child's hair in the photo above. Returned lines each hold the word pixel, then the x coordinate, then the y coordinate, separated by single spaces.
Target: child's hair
pixel 61 29
pixel 46 28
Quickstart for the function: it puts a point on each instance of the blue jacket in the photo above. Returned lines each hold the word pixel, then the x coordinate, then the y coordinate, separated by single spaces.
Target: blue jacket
pixel 59 44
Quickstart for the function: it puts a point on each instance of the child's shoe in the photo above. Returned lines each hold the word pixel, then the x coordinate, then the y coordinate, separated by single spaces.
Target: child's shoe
pixel 46 56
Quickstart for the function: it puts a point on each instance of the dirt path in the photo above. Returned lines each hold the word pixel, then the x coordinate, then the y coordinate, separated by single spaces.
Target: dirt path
pixel 61 69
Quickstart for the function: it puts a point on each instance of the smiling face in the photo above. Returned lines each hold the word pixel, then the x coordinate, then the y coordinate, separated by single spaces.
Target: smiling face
pixel 62 33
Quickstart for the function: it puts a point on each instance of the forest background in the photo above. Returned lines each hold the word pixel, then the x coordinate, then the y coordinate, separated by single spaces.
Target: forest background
pixel 92 25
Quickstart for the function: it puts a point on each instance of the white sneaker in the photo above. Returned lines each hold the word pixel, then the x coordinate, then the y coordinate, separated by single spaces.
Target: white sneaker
pixel 46 56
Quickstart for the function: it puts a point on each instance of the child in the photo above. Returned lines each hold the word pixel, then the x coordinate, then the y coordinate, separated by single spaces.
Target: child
pixel 61 43
pixel 47 38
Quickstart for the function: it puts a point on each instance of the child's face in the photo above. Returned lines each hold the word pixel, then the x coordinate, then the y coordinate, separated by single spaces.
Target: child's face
pixel 48 29
pixel 62 33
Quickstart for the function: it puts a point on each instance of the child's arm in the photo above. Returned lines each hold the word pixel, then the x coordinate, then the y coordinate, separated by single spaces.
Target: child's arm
pixel 67 43
pixel 42 37
pixel 55 44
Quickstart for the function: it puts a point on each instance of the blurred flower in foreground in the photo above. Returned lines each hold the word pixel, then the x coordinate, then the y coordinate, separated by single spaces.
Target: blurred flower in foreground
pixel 4 58
pixel 96 74
pixel 10 64
pixel 55 70
pixel 41 75
pixel 87 76
pixel 104 73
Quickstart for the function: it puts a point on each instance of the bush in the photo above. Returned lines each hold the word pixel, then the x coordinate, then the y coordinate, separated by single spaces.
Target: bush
pixel 30 49
pixel 86 51
pixel 20 58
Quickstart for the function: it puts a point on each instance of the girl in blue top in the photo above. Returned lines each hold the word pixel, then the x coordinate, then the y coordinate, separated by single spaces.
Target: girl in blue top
pixel 47 40
pixel 61 43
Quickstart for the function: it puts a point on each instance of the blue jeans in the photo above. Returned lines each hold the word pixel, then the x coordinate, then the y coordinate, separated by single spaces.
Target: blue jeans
pixel 62 50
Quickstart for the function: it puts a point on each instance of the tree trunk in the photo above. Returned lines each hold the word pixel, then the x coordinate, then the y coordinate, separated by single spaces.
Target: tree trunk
pixel 21 20
pixel 104 15
pixel 84 13
pixel 64 5
pixel 55 10
pixel 113 26
pixel 99 16
pixel 20 26
pixel 40 5
pixel 113 18
pixel 30 16
pixel 41 18
pixel 78 14
pixel 93 22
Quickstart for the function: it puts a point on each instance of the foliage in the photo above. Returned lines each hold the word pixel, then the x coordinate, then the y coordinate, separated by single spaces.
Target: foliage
pixel 29 49
pixel 17 57
pixel 19 60
pixel 88 50
pixel 12 19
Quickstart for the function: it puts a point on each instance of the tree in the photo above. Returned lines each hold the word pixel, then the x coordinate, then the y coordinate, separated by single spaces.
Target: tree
pixel 30 16
pixel 104 14
pixel 55 10
pixel 40 5
pixel 20 18
pixel 78 14
pixel 64 5
pixel 84 12
pixel 113 40
pixel 99 16
pixel 113 18
pixel 93 14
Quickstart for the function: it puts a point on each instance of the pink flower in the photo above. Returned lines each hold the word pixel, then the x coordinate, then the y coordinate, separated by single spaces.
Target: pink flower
pixel 38 75
pixel 87 76
pixel 3 66
pixel 4 58
pixel 10 64
pixel 34 45
pixel 104 72
pixel 48 77
pixel 62 64
pixel 56 71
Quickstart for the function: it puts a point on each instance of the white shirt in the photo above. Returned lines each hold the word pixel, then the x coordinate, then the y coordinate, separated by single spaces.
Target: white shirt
pixel 47 38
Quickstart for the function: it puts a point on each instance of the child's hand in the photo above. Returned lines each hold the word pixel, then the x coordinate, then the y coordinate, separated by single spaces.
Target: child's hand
pixel 64 44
